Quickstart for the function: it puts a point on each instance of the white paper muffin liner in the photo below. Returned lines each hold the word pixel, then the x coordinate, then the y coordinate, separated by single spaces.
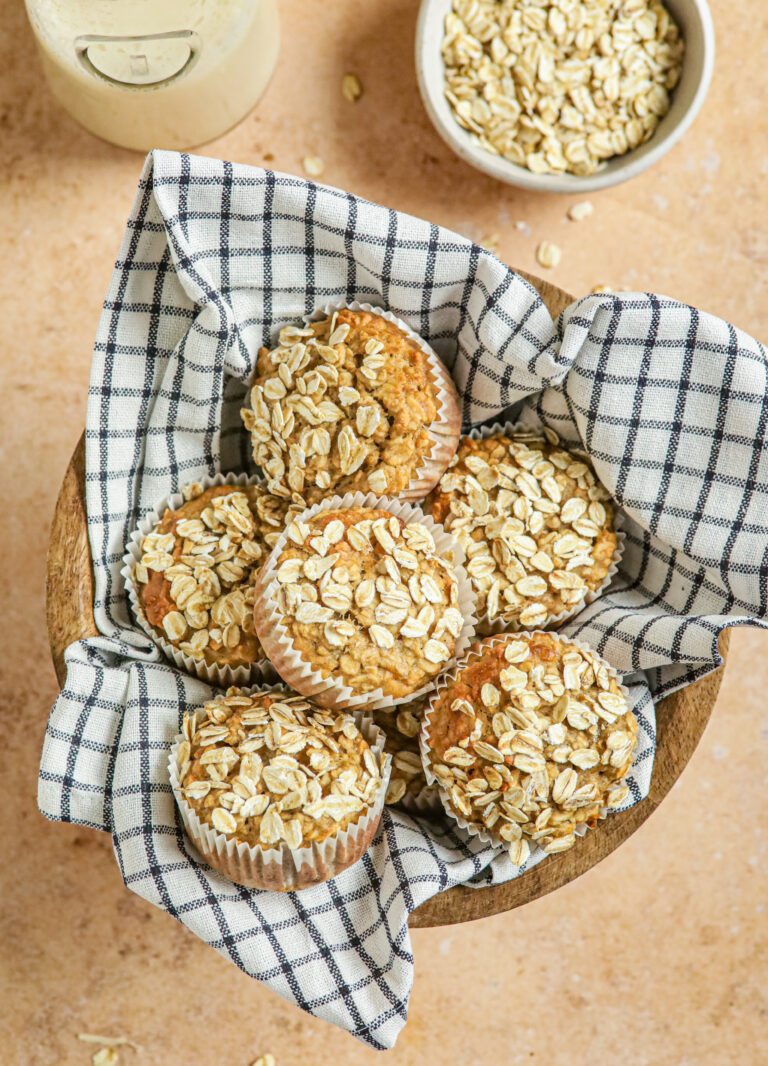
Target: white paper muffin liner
pixel 472 828
pixel 274 637
pixel 280 868
pixel 486 625
pixel 444 432
pixel 424 802
pixel 222 676
pixel 427 802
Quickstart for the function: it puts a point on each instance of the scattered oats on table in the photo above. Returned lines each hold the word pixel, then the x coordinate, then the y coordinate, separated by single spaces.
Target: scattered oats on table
pixel 195 577
pixel 108 1041
pixel 548 254
pixel 577 212
pixel 351 88
pixel 531 740
pixel 313 166
pixel 560 85
pixel 536 525
pixel 107 1056
pixel 490 241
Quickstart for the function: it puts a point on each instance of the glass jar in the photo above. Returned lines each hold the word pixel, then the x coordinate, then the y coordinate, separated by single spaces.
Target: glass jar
pixel 157 73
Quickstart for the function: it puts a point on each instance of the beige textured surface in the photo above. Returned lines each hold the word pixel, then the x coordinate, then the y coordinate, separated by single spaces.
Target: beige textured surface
pixel 659 955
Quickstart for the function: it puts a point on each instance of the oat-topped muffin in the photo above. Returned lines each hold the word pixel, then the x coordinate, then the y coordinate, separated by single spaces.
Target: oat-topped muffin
pixel 271 770
pixel 536 524
pixel 530 740
pixel 364 598
pixel 349 403
pixel 195 577
pixel 401 727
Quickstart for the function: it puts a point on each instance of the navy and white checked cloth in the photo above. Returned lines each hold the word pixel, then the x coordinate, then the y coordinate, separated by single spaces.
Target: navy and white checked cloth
pixel 671 404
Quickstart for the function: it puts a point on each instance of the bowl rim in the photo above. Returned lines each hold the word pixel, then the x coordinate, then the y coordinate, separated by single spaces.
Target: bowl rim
pixel 629 165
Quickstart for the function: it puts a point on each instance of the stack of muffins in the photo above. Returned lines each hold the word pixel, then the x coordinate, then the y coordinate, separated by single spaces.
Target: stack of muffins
pixel 346 591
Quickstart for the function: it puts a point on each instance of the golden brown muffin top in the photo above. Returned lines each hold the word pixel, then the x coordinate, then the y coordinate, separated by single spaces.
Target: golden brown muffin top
pixel 531 739
pixel 536 524
pixel 367 599
pixel 195 576
pixel 341 405
pixel 269 768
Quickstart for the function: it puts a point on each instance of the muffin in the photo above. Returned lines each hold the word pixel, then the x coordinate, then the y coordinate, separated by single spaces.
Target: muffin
pixel 357 605
pixel 277 793
pixel 536 524
pixel 349 403
pixel 401 726
pixel 528 740
pixel 194 580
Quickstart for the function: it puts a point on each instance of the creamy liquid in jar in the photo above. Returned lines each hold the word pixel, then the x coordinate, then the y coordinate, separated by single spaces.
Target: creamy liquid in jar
pixel 178 90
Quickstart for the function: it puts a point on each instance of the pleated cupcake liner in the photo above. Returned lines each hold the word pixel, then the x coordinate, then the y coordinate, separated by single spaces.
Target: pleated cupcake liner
pixel 215 674
pixel 472 828
pixel 280 868
pixel 276 640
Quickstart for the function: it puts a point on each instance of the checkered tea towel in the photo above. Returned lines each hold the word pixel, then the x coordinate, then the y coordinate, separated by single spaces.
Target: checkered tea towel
pixel 671 404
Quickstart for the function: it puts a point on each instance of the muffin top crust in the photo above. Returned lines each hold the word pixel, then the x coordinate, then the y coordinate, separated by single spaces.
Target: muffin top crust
pixel 269 768
pixel 341 405
pixel 530 740
pixel 536 524
pixel 367 600
pixel 195 576
pixel 401 727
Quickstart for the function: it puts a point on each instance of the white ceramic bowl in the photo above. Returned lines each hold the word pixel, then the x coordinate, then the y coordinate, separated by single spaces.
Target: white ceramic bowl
pixel 693 18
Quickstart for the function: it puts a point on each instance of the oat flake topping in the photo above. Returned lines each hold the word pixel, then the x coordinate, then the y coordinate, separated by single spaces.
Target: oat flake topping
pixel 208 554
pixel 401 729
pixel 268 768
pixel 534 521
pixel 367 596
pixel 531 741
pixel 341 405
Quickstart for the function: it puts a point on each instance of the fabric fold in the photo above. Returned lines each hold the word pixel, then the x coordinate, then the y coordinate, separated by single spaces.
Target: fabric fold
pixel 669 402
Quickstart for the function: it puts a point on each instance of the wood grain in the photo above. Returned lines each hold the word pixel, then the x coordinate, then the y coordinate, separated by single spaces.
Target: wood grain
pixel 69 577
pixel 681 718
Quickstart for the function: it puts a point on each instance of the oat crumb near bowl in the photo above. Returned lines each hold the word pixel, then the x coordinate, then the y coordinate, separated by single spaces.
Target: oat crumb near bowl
pixel 351 88
pixel 313 166
pixel 490 241
pixel 548 255
pixel 577 212
pixel 106 1056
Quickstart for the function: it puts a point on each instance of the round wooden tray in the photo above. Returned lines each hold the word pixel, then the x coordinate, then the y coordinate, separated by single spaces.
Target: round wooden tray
pixel 681 718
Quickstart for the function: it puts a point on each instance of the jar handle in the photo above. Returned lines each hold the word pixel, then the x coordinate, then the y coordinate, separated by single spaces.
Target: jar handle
pixel 84 42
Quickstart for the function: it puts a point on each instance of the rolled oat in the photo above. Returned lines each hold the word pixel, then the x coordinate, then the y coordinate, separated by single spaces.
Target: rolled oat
pixel 560 85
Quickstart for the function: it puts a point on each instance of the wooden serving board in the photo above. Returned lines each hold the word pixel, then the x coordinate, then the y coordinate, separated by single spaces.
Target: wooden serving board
pixel 681 718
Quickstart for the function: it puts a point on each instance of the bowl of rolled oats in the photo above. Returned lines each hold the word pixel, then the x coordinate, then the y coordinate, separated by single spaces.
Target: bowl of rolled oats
pixel 563 95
